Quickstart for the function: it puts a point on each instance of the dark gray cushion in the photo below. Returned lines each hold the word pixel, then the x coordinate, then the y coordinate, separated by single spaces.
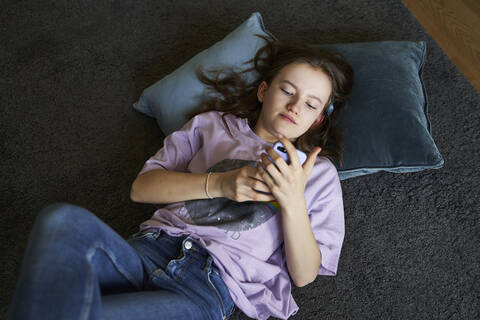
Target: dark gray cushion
pixel 386 120
pixel 180 92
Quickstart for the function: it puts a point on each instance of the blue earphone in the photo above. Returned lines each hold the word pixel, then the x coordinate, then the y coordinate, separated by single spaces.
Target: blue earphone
pixel 330 109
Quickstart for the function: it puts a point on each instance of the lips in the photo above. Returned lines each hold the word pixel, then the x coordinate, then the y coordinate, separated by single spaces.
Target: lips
pixel 288 118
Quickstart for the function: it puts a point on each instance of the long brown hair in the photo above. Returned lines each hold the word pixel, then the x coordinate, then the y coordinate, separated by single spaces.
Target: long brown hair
pixel 233 95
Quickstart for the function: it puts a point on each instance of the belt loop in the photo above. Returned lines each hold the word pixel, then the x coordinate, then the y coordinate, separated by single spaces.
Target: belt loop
pixel 157 233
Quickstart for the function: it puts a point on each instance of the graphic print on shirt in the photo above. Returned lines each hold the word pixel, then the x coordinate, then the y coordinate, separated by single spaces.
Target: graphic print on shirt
pixel 228 214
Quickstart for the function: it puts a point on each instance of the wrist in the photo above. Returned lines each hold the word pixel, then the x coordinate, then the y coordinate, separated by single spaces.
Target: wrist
pixel 215 185
pixel 295 208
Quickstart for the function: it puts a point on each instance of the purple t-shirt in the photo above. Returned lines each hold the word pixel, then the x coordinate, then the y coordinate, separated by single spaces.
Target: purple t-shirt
pixel 245 239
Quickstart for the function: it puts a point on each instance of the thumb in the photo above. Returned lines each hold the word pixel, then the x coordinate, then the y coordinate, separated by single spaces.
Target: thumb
pixel 312 156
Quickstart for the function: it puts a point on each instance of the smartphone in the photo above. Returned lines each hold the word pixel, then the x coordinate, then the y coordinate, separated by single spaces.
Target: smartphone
pixel 282 152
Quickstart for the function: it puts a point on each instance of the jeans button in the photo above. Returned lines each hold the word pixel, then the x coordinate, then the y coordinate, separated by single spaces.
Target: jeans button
pixel 188 245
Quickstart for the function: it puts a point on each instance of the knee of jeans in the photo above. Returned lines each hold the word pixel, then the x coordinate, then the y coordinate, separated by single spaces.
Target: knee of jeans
pixel 59 214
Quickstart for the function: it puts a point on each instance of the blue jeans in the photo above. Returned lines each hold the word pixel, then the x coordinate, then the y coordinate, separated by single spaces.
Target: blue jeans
pixel 77 267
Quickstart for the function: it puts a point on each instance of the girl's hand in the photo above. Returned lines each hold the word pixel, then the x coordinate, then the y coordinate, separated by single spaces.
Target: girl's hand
pixel 240 185
pixel 287 182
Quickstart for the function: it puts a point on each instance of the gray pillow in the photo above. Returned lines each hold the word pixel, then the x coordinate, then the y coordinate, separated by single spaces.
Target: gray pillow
pixel 180 92
pixel 386 120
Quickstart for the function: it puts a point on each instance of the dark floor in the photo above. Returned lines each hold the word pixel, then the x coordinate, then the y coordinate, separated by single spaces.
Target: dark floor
pixel 70 71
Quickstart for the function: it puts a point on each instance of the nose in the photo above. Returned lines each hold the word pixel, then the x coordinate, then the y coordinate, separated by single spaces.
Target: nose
pixel 294 105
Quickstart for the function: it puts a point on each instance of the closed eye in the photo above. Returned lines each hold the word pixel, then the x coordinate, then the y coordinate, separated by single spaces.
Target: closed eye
pixel 288 94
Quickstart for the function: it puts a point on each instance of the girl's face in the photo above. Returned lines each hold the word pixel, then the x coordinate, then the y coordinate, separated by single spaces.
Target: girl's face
pixel 299 92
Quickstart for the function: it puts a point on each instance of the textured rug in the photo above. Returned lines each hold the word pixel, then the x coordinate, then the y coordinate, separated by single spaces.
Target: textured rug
pixel 70 71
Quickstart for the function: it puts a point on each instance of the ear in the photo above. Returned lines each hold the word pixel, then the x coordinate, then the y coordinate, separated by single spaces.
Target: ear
pixel 262 87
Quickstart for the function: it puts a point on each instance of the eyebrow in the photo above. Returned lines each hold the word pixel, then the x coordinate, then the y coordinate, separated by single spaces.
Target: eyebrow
pixel 311 96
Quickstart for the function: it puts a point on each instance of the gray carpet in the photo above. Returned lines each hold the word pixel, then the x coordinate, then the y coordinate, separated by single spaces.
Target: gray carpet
pixel 70 71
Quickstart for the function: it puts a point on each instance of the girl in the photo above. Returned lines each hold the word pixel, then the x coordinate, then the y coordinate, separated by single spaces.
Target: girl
pixel 228 232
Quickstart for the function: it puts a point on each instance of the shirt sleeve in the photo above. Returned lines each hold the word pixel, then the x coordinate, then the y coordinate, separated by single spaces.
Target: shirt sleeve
pixel 179 147
pixel 326 215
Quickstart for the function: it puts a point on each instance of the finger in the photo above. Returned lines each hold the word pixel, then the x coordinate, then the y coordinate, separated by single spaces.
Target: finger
pixel 272 157
pixel 292 152
pixel 254 174
pixel 264 162
pixel 258 185
pixel 268 172
pixel 310 162
pixel 264 198
pixel 259 190
pixel 278 161
pixel 255 177
pixel 261 197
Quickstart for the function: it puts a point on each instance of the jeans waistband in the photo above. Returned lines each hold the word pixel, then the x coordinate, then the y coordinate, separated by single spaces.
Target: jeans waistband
pixel 190 244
